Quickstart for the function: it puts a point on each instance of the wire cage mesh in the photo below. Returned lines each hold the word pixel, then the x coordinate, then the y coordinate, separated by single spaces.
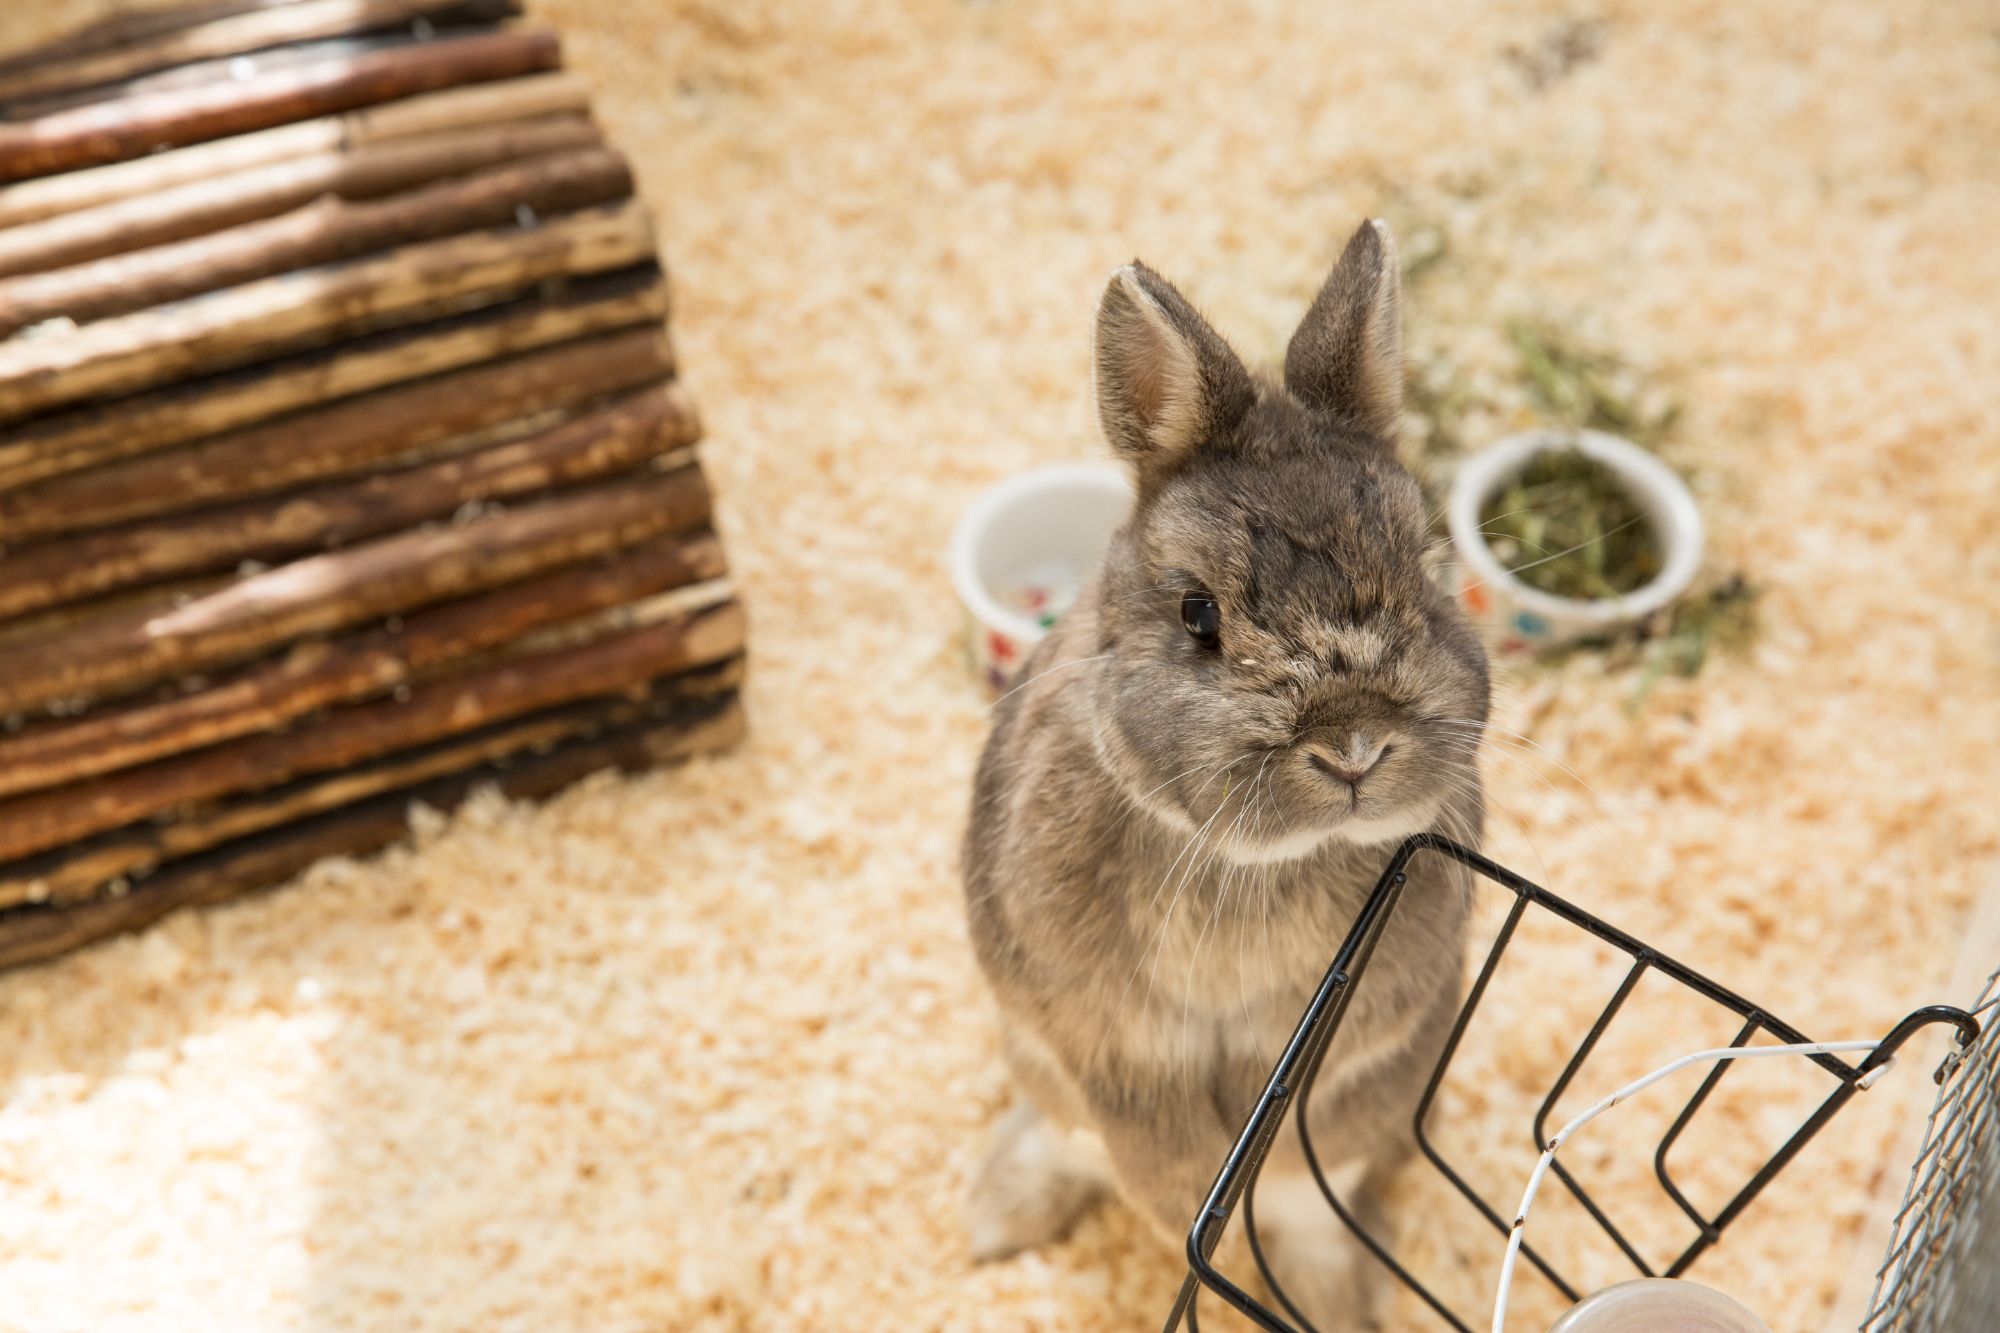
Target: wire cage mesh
pixel 1231 1200
pixel 1942 1273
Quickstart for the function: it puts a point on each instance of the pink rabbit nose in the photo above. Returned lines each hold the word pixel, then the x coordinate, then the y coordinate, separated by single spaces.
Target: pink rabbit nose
pixel 1349 763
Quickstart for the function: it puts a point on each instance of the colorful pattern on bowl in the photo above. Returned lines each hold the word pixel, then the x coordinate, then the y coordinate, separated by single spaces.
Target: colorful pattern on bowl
pixel 993 656
pixel 1514 630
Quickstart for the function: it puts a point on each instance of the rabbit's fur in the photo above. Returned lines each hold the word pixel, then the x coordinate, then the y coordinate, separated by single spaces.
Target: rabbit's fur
pixel 1167 842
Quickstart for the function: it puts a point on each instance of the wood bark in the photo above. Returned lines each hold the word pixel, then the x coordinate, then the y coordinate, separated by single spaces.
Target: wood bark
pixel 328 593
pixel 608 440
pixel 236 34
pixel 264 318
pixel 351 435
pixel 321 673
pixel 325 231
pixel 496 103
pixel 476 697
pixel 206 206
pixel 72 874
pixel 123 29
pixel 203 75
pixel 30 934
pixel 95 434
pixel 160 599
pixel 125 127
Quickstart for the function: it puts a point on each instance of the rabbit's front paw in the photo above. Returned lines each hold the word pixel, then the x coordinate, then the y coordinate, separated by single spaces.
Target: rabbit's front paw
pixel 1035 1183
pixel 1311 1253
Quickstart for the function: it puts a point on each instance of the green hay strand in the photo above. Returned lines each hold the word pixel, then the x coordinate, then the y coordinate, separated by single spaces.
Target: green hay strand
pixel 1567 526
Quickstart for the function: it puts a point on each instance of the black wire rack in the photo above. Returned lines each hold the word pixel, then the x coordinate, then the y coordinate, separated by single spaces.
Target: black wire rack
pixel 1291 1083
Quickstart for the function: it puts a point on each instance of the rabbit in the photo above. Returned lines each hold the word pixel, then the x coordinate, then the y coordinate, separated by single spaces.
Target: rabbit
pixel 1176 818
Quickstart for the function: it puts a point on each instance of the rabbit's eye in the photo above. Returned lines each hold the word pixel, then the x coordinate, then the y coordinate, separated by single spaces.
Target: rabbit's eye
pixel 1202 619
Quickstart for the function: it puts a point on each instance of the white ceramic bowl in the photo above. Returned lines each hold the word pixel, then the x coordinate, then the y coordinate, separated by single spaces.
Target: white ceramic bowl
pixel 1527 618
pixel 1044 530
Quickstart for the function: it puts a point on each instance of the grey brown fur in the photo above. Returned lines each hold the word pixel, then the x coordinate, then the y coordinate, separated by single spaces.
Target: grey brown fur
pixel 1169 840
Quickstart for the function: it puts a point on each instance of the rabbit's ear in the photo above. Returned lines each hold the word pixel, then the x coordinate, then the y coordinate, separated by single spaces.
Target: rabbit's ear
pixel 1166 381
pixel 1347 357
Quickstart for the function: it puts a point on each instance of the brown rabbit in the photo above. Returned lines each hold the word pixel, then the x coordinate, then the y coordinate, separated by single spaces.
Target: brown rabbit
pixel 1178 816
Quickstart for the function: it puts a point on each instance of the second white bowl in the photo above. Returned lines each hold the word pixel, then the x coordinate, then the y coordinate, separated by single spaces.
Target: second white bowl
pixel 1528 618
pixel 1022 551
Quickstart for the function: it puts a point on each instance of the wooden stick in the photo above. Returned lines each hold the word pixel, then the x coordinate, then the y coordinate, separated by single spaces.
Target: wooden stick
pixel 122 29
pixel 72 874
pixel 99 433
pixel 488 103
pixel 496 103
pixel 241 324
pixel 477 697
pixel 203 75
pixel 351 435
pixel 611 439
pixel 325 231
pixel 202 207
pixel 160 599
pixel 236 34
pixel 319 674
pixel 126 127
pixel 327 593
pixel 29 934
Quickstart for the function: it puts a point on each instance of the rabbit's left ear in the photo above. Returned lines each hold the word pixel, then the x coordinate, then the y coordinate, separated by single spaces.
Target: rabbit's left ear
pixel 1347 357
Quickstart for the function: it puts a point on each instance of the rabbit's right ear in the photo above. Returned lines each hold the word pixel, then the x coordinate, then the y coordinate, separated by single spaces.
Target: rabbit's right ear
pixel 1166 381
pixel 1347 356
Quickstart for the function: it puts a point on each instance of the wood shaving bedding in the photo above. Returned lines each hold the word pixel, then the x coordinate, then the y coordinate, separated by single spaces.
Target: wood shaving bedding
pixel 705 1049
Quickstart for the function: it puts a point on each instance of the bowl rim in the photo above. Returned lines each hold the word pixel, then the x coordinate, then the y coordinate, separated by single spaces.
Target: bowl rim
pixel 980 517
pixel 1657 487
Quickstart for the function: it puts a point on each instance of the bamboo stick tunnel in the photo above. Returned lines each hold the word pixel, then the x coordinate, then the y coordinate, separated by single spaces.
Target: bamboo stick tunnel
pixel 343 464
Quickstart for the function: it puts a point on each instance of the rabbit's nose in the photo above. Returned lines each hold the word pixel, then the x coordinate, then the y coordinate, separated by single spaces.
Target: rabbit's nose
pixel 1347 763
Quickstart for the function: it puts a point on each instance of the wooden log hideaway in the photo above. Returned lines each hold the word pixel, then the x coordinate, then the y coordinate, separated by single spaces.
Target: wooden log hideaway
pixel 342 463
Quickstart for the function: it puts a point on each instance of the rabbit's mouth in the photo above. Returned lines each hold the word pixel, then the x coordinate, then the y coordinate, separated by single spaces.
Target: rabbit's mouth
pixel 1364 830
pixel 1353 828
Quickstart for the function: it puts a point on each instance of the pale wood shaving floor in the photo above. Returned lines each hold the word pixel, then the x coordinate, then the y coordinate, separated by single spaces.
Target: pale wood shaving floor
pixel 706 1049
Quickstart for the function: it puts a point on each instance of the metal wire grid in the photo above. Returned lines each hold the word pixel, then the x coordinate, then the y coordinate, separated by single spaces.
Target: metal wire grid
pixel 1291 1082
pixel 1942 1273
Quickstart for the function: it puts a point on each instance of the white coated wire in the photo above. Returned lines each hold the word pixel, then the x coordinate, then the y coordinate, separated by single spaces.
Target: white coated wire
pixel 1639 1085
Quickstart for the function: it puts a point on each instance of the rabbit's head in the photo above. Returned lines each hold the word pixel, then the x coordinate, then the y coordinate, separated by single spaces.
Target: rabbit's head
pixel 1280 668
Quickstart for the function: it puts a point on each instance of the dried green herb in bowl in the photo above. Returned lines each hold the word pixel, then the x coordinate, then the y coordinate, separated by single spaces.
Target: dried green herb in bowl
pixel 1567 525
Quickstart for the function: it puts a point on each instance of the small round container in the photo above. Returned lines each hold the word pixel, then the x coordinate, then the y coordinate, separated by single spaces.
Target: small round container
pixel 1659 1305
pixel 1023 550
pixel 1527 619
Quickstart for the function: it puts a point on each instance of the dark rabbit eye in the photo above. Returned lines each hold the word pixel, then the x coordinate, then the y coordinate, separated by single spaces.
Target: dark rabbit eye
pixel 1202 619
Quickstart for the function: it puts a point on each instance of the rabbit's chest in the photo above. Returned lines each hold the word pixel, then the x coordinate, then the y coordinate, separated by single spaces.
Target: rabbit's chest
pixel 1225 944
pixel 1221 982
pixel 1217 988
